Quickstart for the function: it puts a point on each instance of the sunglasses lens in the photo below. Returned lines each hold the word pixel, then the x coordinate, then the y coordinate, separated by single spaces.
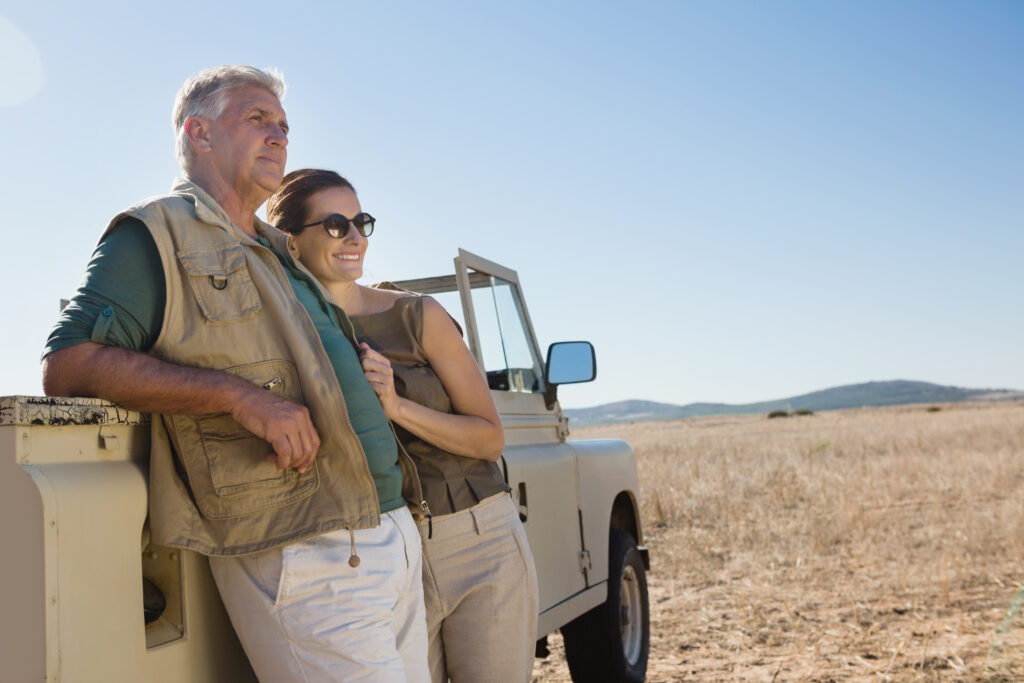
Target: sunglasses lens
pixel 364 222
pixel 336 225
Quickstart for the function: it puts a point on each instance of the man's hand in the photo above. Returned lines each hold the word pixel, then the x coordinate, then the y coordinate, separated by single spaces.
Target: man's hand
pixel 285 425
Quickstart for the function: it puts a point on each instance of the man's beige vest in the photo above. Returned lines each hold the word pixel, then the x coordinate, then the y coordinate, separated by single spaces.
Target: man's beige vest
pixel 230 306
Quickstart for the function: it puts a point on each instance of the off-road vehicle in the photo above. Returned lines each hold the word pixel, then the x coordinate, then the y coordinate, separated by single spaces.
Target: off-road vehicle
pixel 86 596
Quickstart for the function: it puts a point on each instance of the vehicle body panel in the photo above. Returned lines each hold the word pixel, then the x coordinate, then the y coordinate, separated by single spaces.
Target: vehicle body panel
pixel 75 508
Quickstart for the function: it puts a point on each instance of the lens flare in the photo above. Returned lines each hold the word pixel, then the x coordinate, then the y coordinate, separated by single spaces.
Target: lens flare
pixel 21 67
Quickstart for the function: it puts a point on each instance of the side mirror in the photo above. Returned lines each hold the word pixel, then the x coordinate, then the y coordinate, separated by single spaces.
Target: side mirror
pixel 568 363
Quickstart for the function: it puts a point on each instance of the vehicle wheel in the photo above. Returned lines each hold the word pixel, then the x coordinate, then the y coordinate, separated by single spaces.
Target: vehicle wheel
pixel 610 642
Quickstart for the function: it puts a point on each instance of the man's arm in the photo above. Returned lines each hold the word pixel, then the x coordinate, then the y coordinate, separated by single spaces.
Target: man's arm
pixel 124 286
pixel 140 382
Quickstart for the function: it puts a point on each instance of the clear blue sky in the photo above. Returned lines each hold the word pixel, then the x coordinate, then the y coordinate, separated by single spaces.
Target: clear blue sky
pixel 735 201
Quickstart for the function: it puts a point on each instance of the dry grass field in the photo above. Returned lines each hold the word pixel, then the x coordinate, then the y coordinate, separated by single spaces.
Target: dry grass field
pixel 879 544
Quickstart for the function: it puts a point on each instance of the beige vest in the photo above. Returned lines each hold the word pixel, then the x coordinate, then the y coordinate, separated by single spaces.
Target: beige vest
pixel 230 306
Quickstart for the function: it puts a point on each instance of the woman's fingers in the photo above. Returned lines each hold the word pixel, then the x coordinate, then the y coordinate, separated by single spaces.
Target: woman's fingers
pixel 381 377
pixel 376 367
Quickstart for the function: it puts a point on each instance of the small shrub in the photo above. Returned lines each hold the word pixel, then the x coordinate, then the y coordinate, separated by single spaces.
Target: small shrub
pixel 777 413
pixel 803 411
pixel 933 409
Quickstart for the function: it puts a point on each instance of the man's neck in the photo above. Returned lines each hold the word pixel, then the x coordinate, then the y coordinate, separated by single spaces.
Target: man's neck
pixel 241 210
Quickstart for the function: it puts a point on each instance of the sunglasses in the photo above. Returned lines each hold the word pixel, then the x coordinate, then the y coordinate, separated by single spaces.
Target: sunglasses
pixel 336 225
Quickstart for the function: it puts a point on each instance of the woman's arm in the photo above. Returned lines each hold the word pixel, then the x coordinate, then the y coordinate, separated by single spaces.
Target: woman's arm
pixel 474 430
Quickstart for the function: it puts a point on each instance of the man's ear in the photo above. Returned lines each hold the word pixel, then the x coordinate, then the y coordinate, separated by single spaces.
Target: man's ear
pixel 197 132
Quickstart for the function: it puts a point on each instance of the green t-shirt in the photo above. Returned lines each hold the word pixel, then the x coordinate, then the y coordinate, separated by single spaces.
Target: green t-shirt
pixel 121 302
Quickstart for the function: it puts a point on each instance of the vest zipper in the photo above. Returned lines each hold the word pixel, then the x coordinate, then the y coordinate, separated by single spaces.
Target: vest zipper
pixel 279 268
pixel 419 484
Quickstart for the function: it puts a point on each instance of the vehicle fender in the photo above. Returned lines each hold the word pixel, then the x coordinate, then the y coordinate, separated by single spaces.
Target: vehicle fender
pixel 608 491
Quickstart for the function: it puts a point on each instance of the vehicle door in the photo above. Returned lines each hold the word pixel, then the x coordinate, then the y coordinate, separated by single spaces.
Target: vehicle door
pixel 539 466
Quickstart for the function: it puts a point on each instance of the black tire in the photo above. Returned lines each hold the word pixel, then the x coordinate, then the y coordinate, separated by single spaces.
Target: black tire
pixel 609 644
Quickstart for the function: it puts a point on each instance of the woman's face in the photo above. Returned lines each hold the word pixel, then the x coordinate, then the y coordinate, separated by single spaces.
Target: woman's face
pixel 330 259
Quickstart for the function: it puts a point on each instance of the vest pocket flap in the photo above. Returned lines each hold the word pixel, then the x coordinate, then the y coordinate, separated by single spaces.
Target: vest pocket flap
pixel 227 466
pixel 276 376
pixel 217 261
pixel 220 280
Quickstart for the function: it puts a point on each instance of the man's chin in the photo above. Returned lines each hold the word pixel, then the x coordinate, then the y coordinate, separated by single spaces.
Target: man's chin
pixel 271 183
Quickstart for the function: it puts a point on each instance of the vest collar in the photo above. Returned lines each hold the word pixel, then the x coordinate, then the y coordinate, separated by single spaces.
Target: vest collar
pixel 209 211
pixel 207 208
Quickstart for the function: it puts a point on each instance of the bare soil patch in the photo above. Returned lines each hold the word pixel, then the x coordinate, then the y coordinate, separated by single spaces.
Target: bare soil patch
pixel 879 544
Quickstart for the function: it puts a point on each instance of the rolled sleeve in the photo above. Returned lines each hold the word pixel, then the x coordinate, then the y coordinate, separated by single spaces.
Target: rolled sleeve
pixel 121 299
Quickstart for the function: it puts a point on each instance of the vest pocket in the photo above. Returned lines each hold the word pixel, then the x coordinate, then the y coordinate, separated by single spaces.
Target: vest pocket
pixel 227 466
pixel 221 282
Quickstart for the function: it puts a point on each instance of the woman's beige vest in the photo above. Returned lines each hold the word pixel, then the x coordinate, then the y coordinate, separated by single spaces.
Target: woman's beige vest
pixel 230 306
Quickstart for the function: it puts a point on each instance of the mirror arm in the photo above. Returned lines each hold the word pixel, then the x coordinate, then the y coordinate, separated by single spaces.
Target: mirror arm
pixel 550 395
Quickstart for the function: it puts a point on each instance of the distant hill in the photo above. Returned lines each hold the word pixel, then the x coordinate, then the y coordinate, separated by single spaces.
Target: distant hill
pixel 895 392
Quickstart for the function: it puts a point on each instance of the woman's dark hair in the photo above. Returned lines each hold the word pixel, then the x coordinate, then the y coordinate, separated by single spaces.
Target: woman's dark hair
pixel 286 209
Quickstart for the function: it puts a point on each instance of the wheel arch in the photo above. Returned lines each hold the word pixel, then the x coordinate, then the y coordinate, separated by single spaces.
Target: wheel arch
pixel 625 516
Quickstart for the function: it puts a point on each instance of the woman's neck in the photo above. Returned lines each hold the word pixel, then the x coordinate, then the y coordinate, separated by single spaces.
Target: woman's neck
pixel 349 296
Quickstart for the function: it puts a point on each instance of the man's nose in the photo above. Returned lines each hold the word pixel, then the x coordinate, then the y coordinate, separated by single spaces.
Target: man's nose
pixel 278 136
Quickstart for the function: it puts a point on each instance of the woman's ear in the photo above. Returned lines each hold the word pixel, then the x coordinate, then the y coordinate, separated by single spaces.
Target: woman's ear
pixel 293 247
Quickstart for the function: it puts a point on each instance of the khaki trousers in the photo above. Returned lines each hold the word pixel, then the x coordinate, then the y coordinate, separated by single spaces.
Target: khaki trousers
pixel 480 589
pixel 304 614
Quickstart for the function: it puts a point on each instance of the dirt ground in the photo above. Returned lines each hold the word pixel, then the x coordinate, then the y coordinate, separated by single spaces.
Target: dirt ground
pixel 917 576
pixel 744 628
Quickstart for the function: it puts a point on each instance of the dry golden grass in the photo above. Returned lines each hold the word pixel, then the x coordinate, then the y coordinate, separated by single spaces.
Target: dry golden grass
pixel 857 545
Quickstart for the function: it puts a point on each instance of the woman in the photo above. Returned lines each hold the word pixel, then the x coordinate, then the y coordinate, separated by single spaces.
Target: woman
pixel 479 581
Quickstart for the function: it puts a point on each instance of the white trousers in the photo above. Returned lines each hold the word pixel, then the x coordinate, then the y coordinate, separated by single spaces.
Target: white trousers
pixel 303 613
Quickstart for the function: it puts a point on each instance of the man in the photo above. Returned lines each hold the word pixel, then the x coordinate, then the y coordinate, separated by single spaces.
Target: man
pixel 270 452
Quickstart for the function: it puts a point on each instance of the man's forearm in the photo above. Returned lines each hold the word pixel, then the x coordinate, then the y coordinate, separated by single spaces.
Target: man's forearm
pixel 139 381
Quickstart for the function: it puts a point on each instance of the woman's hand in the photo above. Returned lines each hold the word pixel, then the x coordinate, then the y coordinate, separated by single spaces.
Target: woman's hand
pixel 381 377
pixel 473 428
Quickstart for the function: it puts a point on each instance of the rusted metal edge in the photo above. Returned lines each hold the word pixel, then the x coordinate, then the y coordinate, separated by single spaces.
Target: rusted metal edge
pixel 58 411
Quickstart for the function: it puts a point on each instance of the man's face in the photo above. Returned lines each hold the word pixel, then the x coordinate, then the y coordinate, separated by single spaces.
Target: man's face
pixel 249 143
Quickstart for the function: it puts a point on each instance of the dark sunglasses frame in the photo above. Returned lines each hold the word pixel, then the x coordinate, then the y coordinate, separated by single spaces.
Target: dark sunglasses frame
pixel 337 225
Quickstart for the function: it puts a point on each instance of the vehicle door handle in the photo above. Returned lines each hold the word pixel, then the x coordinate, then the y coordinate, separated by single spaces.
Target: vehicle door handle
pixel 522 502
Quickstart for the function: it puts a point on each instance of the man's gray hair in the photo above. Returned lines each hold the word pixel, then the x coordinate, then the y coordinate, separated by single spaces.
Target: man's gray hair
pixel 206 95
